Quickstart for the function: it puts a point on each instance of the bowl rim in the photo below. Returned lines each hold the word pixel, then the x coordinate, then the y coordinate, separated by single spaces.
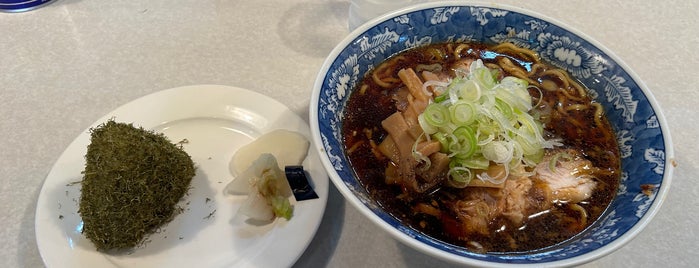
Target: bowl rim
pixel 440 254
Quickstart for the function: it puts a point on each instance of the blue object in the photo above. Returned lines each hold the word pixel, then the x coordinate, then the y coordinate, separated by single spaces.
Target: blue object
pixel 22 5
pixel 641 130
pixel 298 181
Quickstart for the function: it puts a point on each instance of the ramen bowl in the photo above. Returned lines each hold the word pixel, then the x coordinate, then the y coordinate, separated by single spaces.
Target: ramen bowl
pixel 640 128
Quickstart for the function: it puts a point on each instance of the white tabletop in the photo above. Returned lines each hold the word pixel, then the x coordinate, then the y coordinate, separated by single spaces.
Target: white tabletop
pixel 66 65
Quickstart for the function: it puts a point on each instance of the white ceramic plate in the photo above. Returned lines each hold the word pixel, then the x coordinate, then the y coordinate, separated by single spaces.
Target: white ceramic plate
pixel 216 120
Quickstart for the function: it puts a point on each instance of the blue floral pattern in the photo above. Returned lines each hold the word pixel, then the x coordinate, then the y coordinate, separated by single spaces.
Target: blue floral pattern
pixel 640 135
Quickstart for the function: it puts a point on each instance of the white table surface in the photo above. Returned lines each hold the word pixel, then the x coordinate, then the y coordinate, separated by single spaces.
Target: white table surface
pixel 67 64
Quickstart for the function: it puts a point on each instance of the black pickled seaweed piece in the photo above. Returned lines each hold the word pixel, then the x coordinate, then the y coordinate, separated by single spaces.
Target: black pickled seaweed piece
pixel 299 183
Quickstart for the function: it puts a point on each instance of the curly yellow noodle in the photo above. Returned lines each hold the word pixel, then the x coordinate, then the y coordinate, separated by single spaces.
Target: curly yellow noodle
pixel 549 85
pixel 492 66
pixel 531 81
pixel 559 105
pixel 519 71
pixel 583 213
pixel 560 74
pixel 380 82
pixel 515 70
pixel 381 69
pixel 567 83
pixel 527 54
pixel 507 65
pixel 565 77
pixel 599 112
pixel 576 107
pixel 363 89
pixel 579 87
pixel 355 146
pixel 577 123
pixel 386 69
pixel 535 68
pixel 458 49
pixel 570 96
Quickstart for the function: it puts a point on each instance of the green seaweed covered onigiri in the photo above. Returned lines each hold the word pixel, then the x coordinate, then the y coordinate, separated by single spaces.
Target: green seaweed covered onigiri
pixel 132 182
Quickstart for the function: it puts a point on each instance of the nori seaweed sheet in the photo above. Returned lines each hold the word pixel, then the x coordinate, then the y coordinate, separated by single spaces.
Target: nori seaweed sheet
pixel 132 182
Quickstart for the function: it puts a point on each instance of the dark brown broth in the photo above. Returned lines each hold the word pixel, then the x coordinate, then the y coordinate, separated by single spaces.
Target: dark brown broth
pixel 362 126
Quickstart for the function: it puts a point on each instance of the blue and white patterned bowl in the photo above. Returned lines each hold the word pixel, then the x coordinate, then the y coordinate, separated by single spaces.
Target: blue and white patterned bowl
pixel 642 133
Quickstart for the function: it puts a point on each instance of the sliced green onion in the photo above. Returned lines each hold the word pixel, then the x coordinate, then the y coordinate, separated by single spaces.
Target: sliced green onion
pixel 459 177
pixel 442 139
pixel 462 112
pixel 479 121
pixel 465 144
pixel 419 156
pixel 443 96
pixel 428 128
pixel 436 115
pixel 498 151
pixel 536 157
pixel 470 91
pixel 472 162
pixel 514 91
pixel 484 77
pixel 504 108
pixel 555 159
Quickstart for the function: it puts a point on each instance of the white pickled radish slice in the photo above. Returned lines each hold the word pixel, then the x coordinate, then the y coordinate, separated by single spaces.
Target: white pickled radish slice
pixel 288 147
pixel 256 207
pixel 243 183
pixel 263 182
